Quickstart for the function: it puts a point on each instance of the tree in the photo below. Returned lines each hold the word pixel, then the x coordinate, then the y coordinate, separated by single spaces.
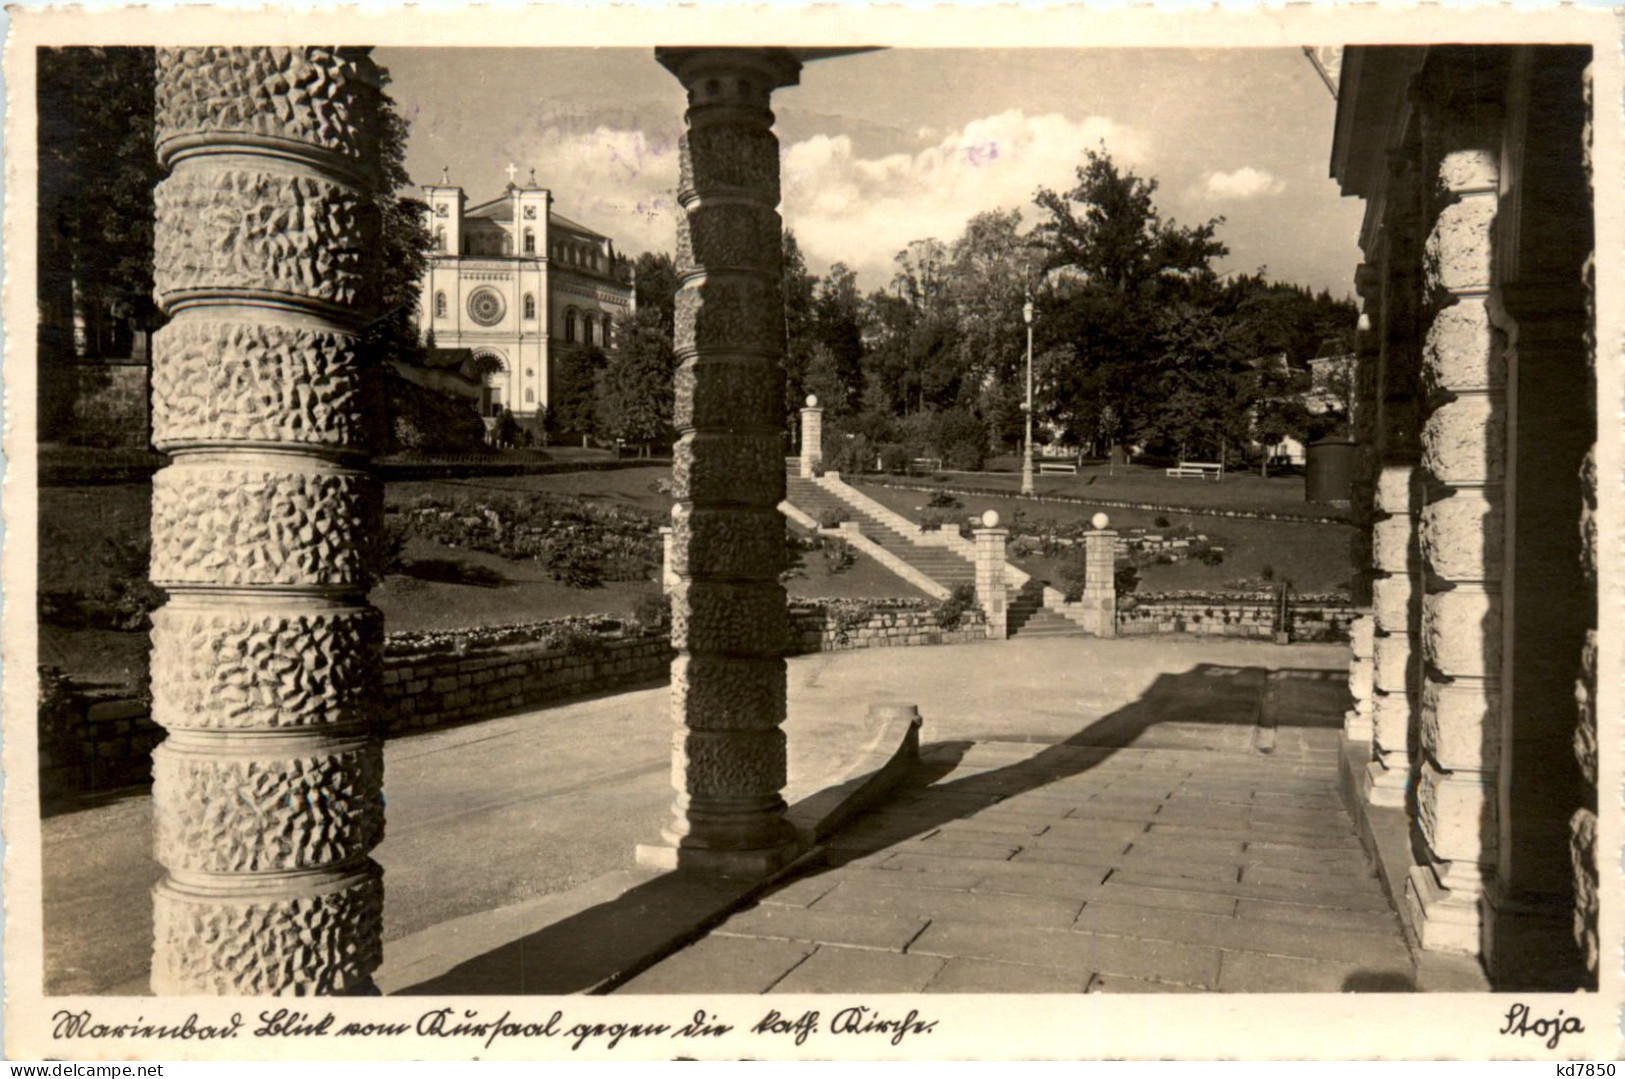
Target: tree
pixel 634 388
pixel 656 288
pixel 97 168
pixel 1117 240
pixel 838 325
pixel 796 288
pixel 404 245
pixel 1278 405
pixel 571 407
pixel 1118 264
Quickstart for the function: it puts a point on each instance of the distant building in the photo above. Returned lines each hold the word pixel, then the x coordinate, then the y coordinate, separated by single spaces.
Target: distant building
pixel 512 280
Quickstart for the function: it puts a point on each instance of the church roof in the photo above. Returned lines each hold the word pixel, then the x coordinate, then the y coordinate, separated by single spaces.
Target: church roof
pixel 501 209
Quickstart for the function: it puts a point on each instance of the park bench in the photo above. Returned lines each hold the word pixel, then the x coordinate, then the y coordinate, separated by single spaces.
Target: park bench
pixel 1199 469
pixel 1068 467
pixel 925 464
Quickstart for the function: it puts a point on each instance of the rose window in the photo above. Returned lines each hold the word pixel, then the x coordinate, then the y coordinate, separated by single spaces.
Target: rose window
pixel 485 307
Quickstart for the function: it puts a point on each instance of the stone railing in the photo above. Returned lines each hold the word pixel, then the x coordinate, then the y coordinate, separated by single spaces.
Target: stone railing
pixel 1234 616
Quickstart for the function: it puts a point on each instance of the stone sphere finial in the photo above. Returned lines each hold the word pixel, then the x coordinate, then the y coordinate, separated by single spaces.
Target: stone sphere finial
pixel 990 519
pixel 812 400
pixel 1100 520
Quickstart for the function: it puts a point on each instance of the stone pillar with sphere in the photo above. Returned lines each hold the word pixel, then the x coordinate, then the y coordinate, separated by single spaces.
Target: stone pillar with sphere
pixel 267 791
pixel 1100 565
pixel 991 591
pixel 812 438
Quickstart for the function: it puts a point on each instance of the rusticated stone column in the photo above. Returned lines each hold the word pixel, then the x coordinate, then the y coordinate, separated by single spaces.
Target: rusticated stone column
pixel 1357 721
pixel 1462 530
pixel 1396 671
pixel 1583 824
pixel 812 438
pixel 729 619
pixel 989 543
pixel 668 576
pixel 265 666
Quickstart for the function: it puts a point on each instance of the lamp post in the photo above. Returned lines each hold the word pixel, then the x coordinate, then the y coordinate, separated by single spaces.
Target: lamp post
pixel 1027 454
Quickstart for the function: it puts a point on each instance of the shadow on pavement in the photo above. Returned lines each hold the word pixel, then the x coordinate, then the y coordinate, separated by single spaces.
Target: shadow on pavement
pixel 606 945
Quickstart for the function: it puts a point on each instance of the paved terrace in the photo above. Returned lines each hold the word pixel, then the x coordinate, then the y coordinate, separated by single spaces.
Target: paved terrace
pixel 1087 815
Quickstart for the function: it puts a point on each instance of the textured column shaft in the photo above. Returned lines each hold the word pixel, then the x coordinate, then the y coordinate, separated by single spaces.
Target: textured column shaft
pixel 812 440
pixel 1396 668
pixel 1462 530
pixel 990 584
pixel 1357 721
pixel 1583 825
pixel 729 617
pixel 267 792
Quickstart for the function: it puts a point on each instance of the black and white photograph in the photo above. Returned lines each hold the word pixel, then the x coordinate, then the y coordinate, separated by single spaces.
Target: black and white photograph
pixel 713 538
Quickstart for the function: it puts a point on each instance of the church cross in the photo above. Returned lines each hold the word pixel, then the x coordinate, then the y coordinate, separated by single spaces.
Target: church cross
pixel 513 170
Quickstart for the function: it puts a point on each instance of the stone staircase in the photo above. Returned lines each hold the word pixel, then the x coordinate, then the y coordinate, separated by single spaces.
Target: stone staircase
pixel 940 560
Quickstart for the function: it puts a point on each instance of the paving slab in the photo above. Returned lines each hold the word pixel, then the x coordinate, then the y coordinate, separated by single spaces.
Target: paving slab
pixel 982 976
pixel 833 969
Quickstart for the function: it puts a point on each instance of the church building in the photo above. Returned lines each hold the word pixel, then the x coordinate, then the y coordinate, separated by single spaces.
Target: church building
pixel 518 284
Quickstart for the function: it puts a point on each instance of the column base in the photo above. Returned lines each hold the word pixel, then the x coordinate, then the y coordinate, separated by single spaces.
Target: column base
pixel 1445 920
pixel 1385 786
pixel 1357 725
pixel 722 863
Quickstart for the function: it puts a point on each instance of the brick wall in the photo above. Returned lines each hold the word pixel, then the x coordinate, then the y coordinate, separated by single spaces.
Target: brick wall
pixel 1234 618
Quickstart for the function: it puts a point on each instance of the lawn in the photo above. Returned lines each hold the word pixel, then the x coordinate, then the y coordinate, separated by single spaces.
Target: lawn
pixel 1143 483
pixel 1314 557
pixel 87 536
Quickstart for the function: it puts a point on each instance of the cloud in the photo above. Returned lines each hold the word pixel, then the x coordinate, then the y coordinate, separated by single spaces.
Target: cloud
pixel 618 181
pixel 1244 183
pixel 863 210
pixel 843 206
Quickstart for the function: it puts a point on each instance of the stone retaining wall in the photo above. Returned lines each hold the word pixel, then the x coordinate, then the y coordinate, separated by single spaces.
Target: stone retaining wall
pixel 972 491
pixel 115 738
pixel 1235 618
pixel 815 630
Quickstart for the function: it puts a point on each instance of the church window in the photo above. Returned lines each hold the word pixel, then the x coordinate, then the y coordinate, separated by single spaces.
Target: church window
pixel 530 397
pixel 442 210
pixel 440 240
pixel 530 242
pixel 530 213
pixel 570 325
pixel 507 244
pixel 440 305
pixel 586 330
pixel 530 306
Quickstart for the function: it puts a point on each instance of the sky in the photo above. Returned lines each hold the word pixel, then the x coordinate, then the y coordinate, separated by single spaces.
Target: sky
pixel 884 148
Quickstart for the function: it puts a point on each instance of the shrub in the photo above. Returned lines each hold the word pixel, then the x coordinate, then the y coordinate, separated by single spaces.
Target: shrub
pixel 1125 579
pixel 392 547
pixel 838 553
pixel 943 500
pixel 652 614
pixel 832 517
pixel 1211 556
pixel 894 457
pixel 574 566
pixel 951 611
pixel 1267 573
pixel 931 521
pixel 60 711
pixel 1160 521
pixel 1074 574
